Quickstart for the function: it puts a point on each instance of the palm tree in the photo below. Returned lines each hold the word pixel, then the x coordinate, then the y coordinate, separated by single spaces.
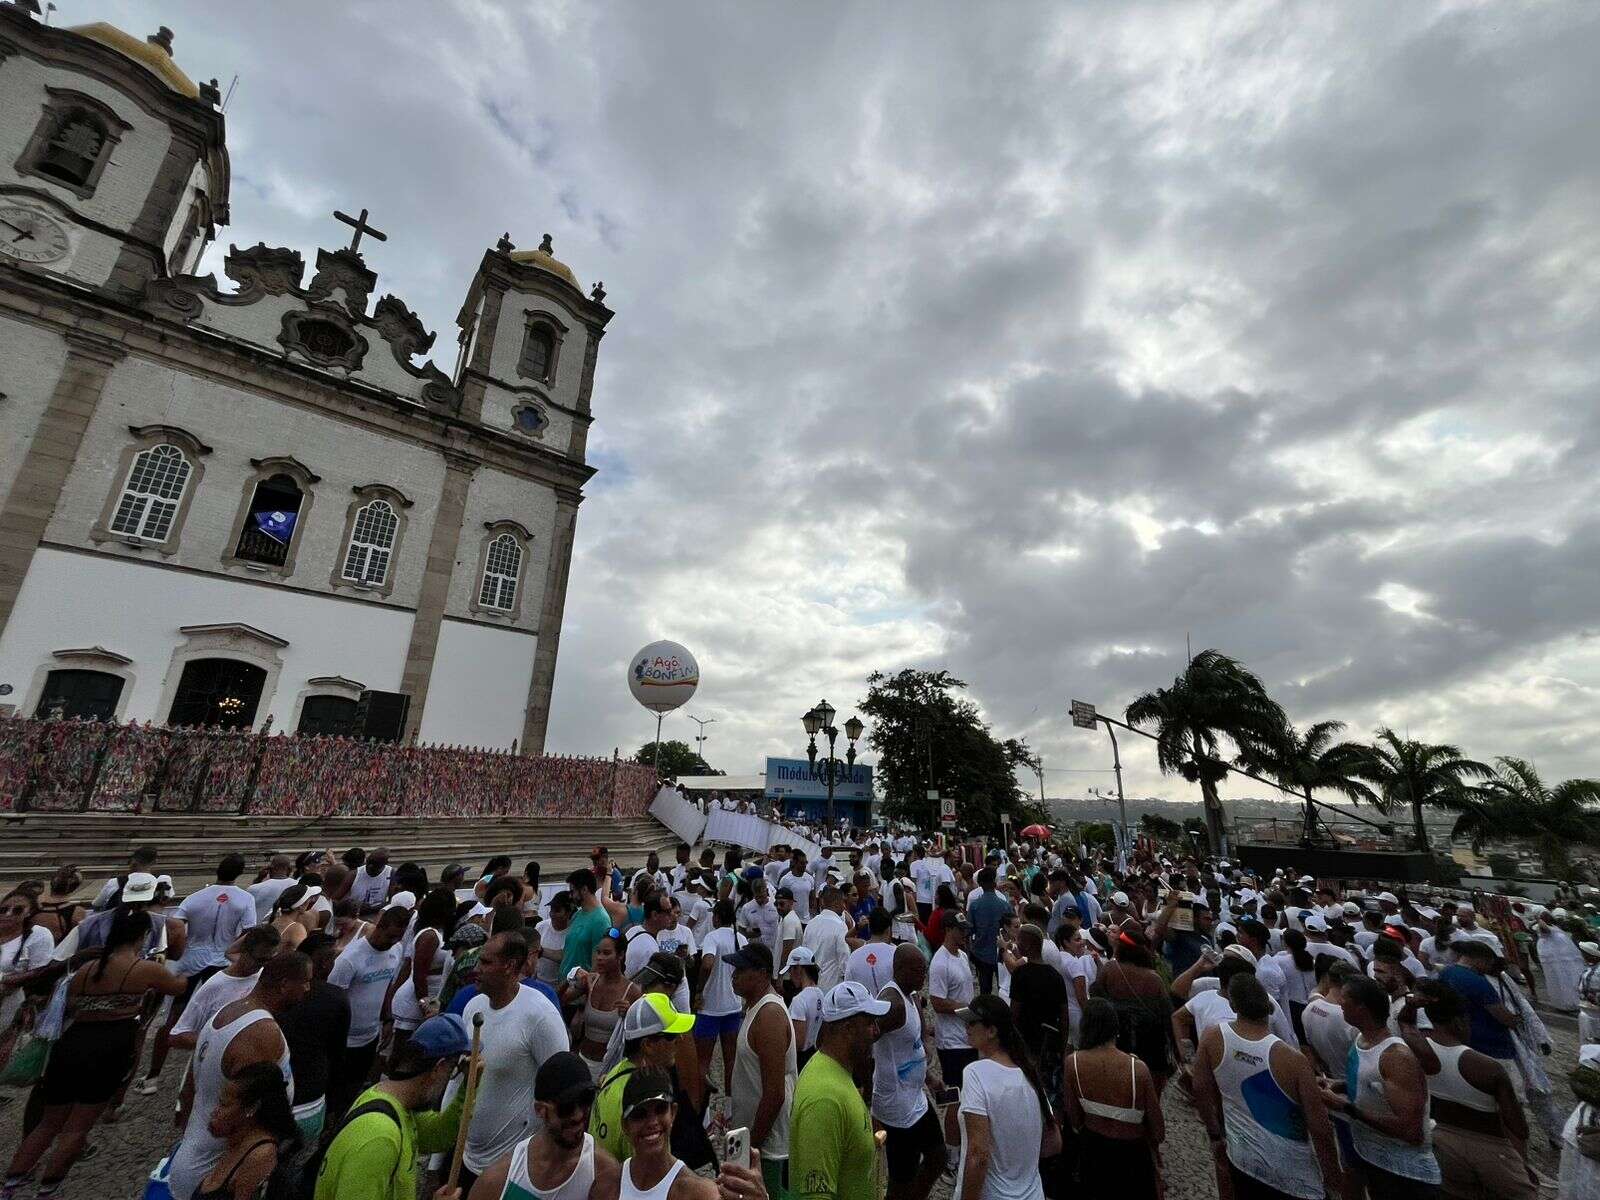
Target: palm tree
pixel 1216 701
pixel 1418 774
pixel 1311 761
pixel 1517 803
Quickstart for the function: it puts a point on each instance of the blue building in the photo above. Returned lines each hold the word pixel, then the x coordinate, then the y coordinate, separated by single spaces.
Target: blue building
pixel 799 792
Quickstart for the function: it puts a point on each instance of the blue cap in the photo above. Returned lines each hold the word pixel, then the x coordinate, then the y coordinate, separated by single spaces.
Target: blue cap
pixel 444 1036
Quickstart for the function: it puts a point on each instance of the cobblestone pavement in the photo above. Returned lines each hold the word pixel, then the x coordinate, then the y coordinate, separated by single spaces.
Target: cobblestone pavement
pixel 127 1150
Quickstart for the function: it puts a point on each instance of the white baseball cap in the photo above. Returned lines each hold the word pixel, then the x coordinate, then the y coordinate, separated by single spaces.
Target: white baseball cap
pixel 800 956
pixel 406 900
pixel 1242 952
pixel 1316 922
pixel 1120 899
pixel 139 888
pixel 1592 949
pixel 1558 914
pixel 1390 897
pixel 850 999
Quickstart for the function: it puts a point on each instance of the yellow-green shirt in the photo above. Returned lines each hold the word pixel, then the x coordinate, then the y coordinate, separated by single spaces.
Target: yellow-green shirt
pixel 375 1158
pixel 832 1155
pixel 605 1118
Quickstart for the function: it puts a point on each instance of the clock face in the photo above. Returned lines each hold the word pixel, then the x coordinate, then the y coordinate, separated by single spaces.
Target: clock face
pixel 29 236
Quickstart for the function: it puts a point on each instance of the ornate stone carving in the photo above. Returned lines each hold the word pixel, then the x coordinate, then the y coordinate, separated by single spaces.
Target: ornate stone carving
pixel 441 394
pixel 402 329
pixel 343 270
pixel 323 337
pixel 169 297
pixel 263 270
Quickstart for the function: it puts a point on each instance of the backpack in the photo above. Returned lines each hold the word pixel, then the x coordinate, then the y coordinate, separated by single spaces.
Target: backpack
pixel 306 1188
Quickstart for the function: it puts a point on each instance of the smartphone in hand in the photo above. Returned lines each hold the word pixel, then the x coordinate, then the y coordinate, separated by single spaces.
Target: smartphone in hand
pixel 736 1148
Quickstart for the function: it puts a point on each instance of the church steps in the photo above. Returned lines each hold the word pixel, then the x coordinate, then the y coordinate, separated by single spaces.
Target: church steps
pixel 190 845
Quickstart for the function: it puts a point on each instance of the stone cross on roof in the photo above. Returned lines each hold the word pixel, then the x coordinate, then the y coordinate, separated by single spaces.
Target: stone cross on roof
pixel 361 227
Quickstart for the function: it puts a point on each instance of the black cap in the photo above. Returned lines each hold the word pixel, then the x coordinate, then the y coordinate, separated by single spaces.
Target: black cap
pixel 563 1078
pixel 646 1087
pixel 751 955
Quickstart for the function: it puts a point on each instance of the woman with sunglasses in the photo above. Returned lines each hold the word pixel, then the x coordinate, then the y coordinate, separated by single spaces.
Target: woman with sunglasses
pixel 654 1173
pixel 24 946
pixel 606 992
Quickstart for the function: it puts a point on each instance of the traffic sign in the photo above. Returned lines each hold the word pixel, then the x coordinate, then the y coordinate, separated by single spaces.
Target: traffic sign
pixel 1083 715
pixel 947 812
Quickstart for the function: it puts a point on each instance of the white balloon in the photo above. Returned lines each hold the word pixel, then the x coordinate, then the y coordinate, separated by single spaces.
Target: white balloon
pixel 663 676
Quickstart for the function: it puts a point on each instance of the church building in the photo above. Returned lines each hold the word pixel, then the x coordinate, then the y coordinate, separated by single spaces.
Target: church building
pixel 256 502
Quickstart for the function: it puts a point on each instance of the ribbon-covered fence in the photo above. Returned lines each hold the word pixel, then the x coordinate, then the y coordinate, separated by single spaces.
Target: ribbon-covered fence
pixel 93 766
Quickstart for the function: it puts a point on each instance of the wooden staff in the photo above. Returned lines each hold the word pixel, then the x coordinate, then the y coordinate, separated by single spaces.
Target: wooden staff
pixel 474 1068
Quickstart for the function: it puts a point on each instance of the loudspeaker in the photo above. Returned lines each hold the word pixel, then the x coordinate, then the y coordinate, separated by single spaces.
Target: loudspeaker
pixel 381 716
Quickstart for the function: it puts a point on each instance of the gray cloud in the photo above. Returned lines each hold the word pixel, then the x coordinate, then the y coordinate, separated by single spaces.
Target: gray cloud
pixel 1023 345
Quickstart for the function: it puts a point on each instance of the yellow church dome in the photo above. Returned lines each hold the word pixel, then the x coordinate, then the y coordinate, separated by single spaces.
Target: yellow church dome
pixel 153 55
pixel 546 261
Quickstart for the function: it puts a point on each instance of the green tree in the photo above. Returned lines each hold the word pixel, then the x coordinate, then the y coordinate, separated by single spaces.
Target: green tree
pixel 1516 802
pixel 1415 775
pixel 928 737
pixel 1099 834
pixel 677 759
pixel 1214 704
pixel 1310 761
pixel 1161 828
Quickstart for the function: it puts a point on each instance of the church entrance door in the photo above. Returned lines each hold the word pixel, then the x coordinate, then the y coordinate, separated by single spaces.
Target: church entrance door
pixel 219 692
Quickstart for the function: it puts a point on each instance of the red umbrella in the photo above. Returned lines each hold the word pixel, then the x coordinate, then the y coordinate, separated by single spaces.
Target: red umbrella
pixel 1037 831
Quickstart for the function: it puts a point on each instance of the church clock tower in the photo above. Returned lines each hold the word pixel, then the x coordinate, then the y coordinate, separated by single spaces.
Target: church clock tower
pixel 113 170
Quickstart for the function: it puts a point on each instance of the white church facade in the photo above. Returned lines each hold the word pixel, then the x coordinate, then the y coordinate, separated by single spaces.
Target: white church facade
pixel 254 502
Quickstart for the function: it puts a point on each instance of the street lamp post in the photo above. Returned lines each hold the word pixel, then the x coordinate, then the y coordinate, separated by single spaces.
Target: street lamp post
pixel 820 720
pixel 700 738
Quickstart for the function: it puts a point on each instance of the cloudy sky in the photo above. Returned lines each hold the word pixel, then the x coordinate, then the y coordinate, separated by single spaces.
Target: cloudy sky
pixel 1023 341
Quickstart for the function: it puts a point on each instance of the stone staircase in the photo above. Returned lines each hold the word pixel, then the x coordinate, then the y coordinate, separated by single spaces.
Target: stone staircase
pixel 33 845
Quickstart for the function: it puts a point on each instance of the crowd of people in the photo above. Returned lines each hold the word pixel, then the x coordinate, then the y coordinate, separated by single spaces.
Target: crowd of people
pixel 884 1014
pixel 71 765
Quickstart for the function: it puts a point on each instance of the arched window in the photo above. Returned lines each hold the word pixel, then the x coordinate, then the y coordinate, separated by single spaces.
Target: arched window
pixel 72 151
pixel 371 544
pixel 151 496
pixel 501 567
pixel 328 715
pixel 271 521
pixel 219 692
pixel 538 348
pixel 78 694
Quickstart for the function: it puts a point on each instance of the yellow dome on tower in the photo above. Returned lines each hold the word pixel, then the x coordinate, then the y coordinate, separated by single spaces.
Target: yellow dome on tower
pixel 153 54
pixel 546 261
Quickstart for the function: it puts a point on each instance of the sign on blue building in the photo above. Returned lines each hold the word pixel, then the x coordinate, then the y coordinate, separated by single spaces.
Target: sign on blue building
pixel 802 793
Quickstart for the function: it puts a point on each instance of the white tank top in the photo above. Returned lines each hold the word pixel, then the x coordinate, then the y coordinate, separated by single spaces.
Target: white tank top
pixel 1364 1087
pixel 1328 1032
pixel 1265 1128
pixel 200 1150
pixel 519 1184
pixel 747 1079
pixel 900 1069
pixel 1450 1084
pixel 405 1006
pixel 659 1192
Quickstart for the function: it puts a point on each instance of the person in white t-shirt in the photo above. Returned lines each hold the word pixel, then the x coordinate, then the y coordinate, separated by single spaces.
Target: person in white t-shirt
pixel 24 947
pixel 370 887
pixel 553 938
pixel 641 939
pixel 800 883
pixel 1003 1110
pixel 521 1029
pixel 250 952
pixel 719 1011
pixel 872 963
pixel 951 986
pixel 365 969
pixel 278 881
pixel 213 917
pixel 790 929
pixel 141 861
pixel 828 939
pixel 805 1010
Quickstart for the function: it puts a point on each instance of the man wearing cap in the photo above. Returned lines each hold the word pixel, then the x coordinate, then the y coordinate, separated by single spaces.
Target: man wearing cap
pixel 373 1156
pixel 765 1063
pixel 835 1155
pixel 562 1160
pixel 649 1032
pixel 950 989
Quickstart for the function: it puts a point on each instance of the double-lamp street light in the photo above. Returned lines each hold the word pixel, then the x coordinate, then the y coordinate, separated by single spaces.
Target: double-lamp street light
pixel 820 720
